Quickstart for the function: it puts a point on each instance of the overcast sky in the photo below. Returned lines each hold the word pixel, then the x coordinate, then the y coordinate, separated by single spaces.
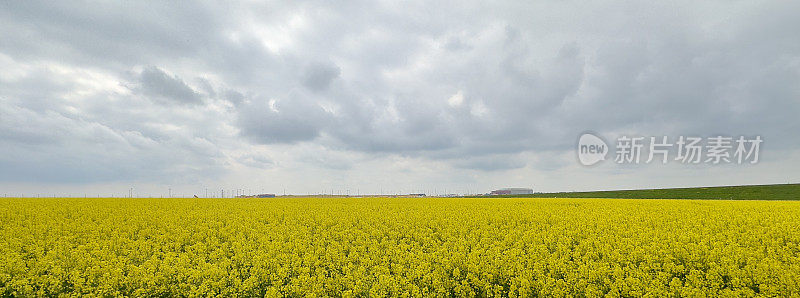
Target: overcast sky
pixel 371 96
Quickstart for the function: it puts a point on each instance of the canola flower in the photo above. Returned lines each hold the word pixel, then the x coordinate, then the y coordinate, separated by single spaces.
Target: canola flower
pixel 410 247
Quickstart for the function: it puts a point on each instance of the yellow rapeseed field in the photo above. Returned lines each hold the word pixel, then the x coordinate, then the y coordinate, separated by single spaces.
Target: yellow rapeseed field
pixel 398 247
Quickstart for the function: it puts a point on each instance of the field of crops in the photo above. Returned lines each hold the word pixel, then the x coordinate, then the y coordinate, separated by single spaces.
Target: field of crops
pixel 398 247
pixel 738 192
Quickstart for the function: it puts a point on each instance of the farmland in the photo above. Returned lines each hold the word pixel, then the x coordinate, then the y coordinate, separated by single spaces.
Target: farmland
pixel 738 192
pixel 398 247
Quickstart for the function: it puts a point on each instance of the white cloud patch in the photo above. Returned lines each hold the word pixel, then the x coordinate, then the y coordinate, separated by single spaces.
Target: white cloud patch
pixel 457 99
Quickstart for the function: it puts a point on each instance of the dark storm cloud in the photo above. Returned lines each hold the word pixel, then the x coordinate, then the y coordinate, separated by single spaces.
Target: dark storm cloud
pixel 463 83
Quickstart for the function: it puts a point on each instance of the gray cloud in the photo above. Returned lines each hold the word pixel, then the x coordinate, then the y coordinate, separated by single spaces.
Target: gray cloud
pixel 472 86
pixel 269 121
pixel 53 147
pixel 491 163
pixel 318 76
pixel 166 88
pixel 257 161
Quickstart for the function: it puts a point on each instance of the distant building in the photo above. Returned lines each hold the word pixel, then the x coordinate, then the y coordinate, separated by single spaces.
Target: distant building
pixel 265 195
pixel 512 191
